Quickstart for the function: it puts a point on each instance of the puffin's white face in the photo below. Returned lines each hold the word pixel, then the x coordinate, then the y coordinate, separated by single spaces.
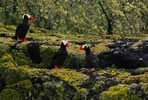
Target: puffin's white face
pixel 83 46
pixel 29 16
pixel 65 42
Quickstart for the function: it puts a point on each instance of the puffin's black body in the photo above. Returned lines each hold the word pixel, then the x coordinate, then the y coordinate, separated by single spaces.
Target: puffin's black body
pixel 91 59
pixel 22 29
pixel 60 55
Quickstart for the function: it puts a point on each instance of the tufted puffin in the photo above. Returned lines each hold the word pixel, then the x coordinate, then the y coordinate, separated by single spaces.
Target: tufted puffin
pixel 90 58
pixel 60 55
pixel 22 28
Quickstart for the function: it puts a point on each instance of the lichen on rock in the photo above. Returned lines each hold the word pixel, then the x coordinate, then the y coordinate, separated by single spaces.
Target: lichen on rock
pixel 119 92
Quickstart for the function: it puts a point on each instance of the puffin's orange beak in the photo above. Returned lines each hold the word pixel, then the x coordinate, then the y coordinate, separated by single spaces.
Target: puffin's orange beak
pixel 31 18
pixel 81 48
pixel 67 45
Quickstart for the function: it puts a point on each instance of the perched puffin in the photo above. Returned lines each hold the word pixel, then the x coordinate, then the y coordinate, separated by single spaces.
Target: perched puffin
pixel 22 28
pixel 90 58
pixel 60 55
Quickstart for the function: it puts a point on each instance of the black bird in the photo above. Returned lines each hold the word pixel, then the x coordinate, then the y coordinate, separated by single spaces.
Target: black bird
pixel 90 58
pixel 22 28
pixel 60 55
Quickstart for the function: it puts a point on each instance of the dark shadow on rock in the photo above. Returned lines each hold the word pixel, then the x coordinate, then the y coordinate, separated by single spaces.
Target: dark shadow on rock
pixel 2 84
pixel 14 45
pixel 122 56
pixel 52 35
pixel 29 39
pixel 4 35
pixel 122 43
pixel 84 42
pixel 81 43
pixel 33 50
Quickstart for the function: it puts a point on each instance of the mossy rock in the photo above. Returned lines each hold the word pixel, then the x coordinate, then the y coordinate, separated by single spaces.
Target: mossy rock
pixel 81 94
pixel 122 76
pixel 22 87
pixel 74 61
pixel 11 27
pixel 2 51
pixel 3 29
pixel 56 90
pixel 98 87
pixel 145 88
pixel 6 94
pixel 73 78
pixel 46 54
pixel 21 58
pixel 34 30
pixel 11 74
pixel 119 92
pixel 141 70
pixel 135 79
pixel 7 58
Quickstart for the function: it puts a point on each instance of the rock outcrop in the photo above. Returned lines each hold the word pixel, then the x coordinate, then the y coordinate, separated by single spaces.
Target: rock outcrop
pixel 23 77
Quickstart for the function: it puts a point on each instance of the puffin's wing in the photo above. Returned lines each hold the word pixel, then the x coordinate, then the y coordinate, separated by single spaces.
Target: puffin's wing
pixel 56 55
pixel 19 28
pixel 92 58
pixel 17 32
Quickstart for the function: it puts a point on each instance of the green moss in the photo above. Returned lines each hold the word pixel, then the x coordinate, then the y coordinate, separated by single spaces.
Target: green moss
pixel 3 29
pixel 54 90
pixel 11 27
pixel 145 88
pixel 6 94
pixel 34 30
pixel 7 58
pixel 16 91
pixel 46 55
pixel 119 92
pixel 122 76
pixel 136 79
pixel 74 78
pixel 21 59
pixel 141 70
pixel 23 87
pixel 98 87
pixel 11 74
pixel 110 72
pixel 2 51
pixel 74 61
pixel 81 94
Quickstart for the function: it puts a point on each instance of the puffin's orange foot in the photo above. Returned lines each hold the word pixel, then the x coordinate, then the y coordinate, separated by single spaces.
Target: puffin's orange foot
pixel 57 68
pixel 92 70
pixel 19 40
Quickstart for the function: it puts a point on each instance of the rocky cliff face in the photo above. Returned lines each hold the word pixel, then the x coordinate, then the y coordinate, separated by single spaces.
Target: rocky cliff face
pixel 26 76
